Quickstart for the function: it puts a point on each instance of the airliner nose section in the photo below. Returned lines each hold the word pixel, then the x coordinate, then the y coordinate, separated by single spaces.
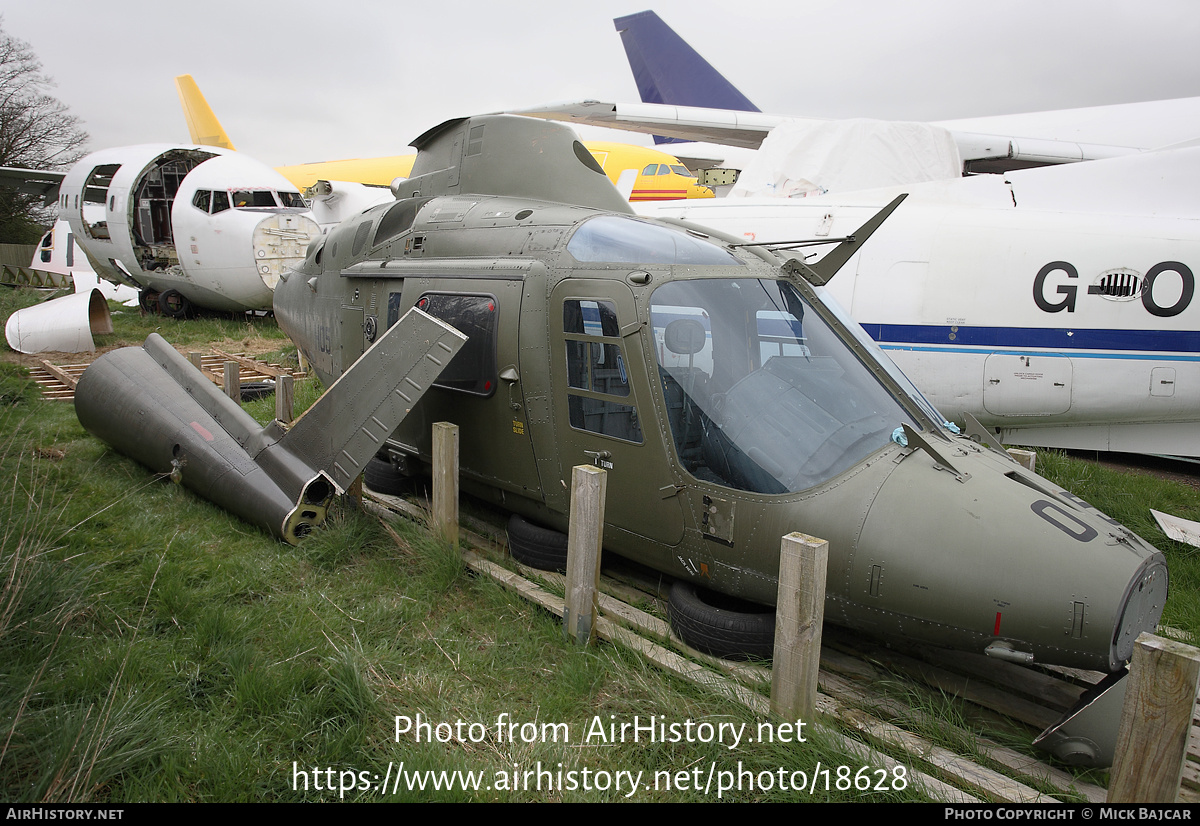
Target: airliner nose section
pixel 279 242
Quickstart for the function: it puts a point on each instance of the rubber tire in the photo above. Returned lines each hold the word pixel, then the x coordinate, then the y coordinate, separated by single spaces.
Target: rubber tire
pixel 148 302
pixel 721 632
pixel 380 476
pixel 541 548
pixel 174 304
pixel 253 390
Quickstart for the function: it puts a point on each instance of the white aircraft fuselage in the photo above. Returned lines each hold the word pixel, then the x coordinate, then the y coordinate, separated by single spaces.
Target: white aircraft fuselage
pixel 214 226
pixel 1055 305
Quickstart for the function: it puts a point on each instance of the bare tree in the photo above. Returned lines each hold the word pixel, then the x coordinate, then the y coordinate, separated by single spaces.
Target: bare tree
pixel 36 132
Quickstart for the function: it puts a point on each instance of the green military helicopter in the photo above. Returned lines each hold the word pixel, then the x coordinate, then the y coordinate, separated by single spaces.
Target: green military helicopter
pixel 729 399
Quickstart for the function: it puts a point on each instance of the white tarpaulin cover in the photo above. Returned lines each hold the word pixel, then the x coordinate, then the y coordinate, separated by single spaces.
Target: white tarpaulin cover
pixel 812 157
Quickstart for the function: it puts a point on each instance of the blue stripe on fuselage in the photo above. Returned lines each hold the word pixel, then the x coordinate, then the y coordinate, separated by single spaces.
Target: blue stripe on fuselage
pixel 1147 344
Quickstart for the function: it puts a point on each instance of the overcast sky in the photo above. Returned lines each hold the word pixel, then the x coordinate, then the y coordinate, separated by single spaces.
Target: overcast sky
pixel 298 81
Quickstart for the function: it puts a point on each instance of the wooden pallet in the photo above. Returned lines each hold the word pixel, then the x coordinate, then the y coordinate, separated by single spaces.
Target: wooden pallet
pixel 57 381
pixel 15 276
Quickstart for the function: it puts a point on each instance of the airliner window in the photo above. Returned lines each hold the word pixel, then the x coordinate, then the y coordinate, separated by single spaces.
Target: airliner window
pixel 250 198
pixel 761 394
pixel 292 199
pixel 596 366
pixel 220 202
pixel 618 239
pixel 202 199
pixel 473 370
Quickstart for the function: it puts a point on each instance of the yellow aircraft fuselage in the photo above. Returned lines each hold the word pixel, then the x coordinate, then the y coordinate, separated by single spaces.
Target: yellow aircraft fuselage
pixel 661 176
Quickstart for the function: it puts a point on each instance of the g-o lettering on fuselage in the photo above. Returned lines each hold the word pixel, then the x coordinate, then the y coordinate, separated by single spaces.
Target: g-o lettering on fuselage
pixel 1069 292
pixel 1062 519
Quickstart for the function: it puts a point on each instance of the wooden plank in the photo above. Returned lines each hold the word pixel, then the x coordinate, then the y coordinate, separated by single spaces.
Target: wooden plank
pixel 513 581
pixel 1028 682
pixel 1021 764
pixel 857 686
pixel 254 365
pixel 999 699
pixel 634 618
pixel 991 783
pixel 698 674
pixel 60 374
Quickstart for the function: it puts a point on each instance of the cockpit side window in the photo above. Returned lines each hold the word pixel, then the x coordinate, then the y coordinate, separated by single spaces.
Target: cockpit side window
pixel 292 199
pixel 597 378
pixel 202 200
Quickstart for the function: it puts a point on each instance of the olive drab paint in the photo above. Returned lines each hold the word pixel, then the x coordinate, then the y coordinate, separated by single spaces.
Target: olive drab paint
pixel 729 400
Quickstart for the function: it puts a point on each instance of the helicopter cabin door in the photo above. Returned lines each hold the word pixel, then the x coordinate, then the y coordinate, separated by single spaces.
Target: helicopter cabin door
pixel 604 412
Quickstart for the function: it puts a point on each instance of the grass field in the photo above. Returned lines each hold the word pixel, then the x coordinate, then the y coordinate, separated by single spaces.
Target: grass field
pixel 155 648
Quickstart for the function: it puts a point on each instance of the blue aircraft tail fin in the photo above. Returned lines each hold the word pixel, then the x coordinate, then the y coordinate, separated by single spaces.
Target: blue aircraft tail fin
pixel 668 70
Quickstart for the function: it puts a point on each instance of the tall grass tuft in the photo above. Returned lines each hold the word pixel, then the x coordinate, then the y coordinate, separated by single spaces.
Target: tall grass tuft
pixel 51 750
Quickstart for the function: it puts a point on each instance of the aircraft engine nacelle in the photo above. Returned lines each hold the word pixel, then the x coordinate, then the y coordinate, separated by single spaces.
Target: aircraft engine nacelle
pixel 152 405
pixel 214 226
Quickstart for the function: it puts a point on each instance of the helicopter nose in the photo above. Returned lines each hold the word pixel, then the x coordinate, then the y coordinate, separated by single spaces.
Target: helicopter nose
pixel 280 242
pixel 1142 607
pixel 1004 562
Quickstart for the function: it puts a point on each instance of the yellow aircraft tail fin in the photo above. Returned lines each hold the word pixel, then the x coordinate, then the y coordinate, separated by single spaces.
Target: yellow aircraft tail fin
pixel 203 125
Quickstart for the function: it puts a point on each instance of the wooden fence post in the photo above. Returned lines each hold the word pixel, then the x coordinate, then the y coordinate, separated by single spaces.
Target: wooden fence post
pixel 585 538
pixel 445 481
pixel 1155 721
pixel 285 393
pixel 1025 458
pixel 194 358
pixel 800 610
pixel 233 381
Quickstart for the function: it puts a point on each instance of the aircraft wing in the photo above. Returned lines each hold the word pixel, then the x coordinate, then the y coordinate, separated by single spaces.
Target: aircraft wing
pixel 980 151
pixel 689 123
pixel 32 182
pixel 669 71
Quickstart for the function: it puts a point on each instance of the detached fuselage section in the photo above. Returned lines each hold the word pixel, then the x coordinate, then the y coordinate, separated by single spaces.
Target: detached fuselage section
pixel 730 401
pixel 213 227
